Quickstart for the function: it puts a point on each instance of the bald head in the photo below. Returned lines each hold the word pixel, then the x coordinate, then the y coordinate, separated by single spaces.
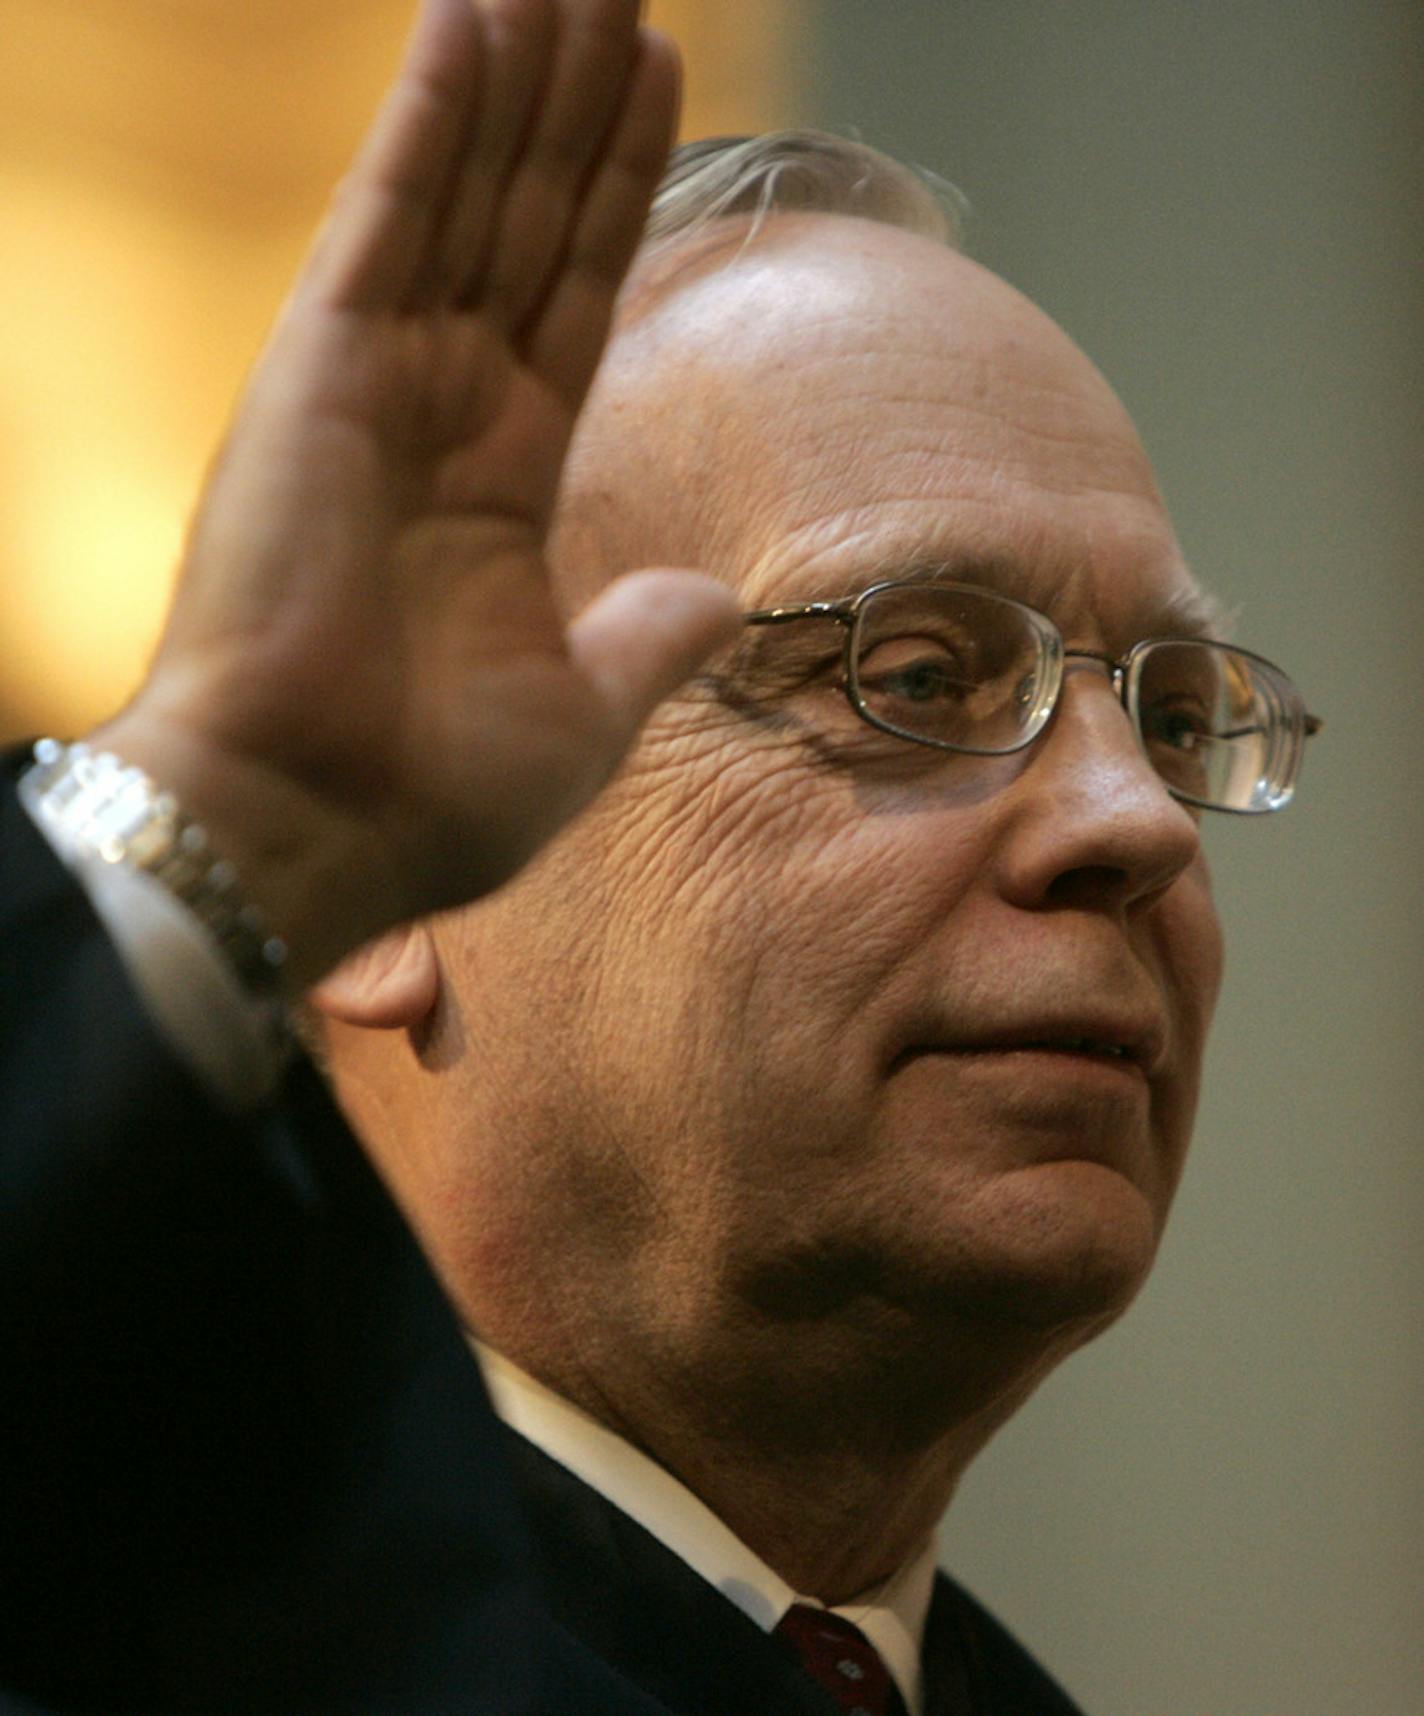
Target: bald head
pixel 750 350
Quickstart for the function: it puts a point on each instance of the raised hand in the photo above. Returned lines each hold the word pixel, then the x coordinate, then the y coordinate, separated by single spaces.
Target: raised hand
pixel 365 688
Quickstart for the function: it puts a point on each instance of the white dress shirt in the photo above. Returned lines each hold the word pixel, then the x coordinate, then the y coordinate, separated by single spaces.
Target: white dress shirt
pixel 891 1615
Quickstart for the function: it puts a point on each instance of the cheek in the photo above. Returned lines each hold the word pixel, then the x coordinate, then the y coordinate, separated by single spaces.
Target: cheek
pixel 763 955
pixel 1191 955
pixel 727 884
pixel 1187 946
pixel 786 891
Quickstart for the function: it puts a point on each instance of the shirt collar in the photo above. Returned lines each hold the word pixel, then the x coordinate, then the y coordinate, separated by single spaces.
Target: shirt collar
pixel 891 1615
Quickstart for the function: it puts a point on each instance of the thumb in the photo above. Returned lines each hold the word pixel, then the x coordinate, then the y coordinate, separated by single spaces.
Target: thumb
pixel 643 635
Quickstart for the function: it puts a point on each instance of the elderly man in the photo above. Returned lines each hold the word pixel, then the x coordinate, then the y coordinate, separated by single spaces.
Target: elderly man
pixel 774 1118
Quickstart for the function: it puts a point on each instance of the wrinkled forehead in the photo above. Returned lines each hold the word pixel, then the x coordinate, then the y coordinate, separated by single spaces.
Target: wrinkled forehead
pixel 837 402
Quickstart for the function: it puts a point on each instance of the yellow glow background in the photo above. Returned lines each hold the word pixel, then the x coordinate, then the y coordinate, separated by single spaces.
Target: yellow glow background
pixel 162 163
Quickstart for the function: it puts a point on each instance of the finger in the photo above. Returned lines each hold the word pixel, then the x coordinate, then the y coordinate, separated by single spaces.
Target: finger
pixel 519 53
pixel 567 340
pixel 594 62
pixel 643 636
pixel 383 219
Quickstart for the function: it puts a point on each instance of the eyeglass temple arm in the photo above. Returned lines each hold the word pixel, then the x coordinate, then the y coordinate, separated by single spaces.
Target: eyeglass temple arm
pixel 800 611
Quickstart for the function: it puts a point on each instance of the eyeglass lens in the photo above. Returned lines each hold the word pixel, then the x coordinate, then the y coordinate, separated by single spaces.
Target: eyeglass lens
pixel 1219 726
pixel 957 667
pixel 978 672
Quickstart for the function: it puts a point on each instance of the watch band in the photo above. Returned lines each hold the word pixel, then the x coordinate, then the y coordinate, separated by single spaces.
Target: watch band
pixel 94 805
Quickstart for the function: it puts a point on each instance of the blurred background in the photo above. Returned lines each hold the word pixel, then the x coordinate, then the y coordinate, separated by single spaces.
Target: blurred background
pixel 1219 1509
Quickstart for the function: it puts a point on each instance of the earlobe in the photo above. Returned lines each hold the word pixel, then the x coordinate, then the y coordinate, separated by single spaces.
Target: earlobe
pixel 390 984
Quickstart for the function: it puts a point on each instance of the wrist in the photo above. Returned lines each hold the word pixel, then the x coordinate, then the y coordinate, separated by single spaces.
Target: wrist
pixel 96 807
pixel 285 884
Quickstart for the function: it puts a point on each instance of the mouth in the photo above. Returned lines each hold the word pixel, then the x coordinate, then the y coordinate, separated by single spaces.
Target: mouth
pixel 1069 1046
pixel 1134 1048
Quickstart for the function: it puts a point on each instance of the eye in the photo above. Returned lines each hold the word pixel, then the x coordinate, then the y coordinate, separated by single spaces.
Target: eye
pixel 1180 726
pixel 916 670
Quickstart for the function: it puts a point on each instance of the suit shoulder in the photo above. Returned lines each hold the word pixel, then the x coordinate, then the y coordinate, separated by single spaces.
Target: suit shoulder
pixel 1003 1678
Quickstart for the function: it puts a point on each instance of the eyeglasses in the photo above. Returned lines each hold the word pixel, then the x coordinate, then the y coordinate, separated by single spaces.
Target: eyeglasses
pixel 967 670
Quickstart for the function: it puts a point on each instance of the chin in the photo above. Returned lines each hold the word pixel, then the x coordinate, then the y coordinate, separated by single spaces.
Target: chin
pixel 1060 1245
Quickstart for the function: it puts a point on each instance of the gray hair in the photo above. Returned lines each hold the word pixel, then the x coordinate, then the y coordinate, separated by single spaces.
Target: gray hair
pixel 785 171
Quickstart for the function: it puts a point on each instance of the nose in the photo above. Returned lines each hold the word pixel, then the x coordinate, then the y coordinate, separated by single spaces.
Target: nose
pixel 1090 822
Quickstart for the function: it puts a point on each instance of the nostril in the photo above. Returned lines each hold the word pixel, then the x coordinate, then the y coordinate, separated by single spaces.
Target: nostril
pixel 1089 885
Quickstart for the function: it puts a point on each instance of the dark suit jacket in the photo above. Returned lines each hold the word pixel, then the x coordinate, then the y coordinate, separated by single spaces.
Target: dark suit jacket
pixel 246 1460
pixel 641 1608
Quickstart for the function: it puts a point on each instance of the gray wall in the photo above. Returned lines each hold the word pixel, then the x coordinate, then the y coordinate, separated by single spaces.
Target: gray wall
pixel 1217 1510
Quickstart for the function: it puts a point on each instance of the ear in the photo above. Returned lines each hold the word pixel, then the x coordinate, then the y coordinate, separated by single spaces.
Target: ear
pixel 390 984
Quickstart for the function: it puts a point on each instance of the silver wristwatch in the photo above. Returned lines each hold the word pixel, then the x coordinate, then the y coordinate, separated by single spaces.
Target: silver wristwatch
pixel 94 805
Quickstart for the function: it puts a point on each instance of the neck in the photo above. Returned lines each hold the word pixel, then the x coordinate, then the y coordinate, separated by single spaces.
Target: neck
pixel 835 1480
pixel 833 1528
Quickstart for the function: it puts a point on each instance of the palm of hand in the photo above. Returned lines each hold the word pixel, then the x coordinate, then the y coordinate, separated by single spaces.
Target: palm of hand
pixel 365 618
pixel 402 618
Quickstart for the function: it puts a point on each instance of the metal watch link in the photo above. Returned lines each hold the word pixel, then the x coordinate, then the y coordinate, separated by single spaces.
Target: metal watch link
pixel 96 805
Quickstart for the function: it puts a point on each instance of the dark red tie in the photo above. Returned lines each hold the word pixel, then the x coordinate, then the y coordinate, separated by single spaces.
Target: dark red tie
pixel 839 1657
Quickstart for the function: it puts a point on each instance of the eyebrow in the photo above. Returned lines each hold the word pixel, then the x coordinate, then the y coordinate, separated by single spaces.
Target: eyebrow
pixel 1185 613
